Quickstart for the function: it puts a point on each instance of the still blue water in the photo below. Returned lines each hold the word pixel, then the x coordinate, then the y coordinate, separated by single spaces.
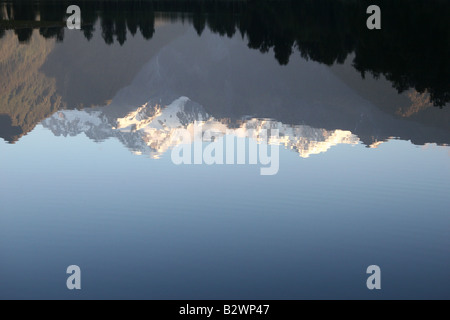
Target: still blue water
pixel 144 228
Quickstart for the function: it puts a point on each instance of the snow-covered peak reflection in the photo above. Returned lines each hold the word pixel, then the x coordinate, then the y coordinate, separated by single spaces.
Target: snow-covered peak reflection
pixel 150 128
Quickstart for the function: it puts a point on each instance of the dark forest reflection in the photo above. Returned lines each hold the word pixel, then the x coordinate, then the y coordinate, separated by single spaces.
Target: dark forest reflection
pixel 411 50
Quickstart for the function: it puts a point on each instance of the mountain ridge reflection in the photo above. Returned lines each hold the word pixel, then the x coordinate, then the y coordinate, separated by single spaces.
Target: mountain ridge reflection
pixel 218 73
pixel 152 129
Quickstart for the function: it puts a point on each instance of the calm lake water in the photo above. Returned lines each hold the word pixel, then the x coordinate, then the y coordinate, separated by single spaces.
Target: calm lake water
pixel 89 130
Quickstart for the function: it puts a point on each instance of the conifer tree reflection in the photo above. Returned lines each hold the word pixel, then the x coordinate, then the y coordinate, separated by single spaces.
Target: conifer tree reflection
pixel 411 50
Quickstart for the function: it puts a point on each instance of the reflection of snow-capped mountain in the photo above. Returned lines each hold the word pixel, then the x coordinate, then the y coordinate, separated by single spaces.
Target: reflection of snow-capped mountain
pixel 151 128
pixel 232 82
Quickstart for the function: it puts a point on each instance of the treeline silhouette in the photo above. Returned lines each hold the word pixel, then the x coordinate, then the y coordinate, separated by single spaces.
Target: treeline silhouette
pixel 411 50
